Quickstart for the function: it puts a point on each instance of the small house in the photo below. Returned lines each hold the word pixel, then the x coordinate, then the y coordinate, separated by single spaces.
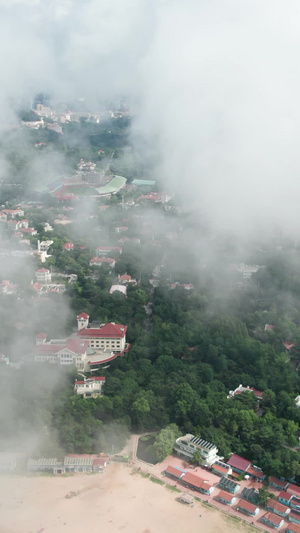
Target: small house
pixel 247 508
pixel 225 498
pixel 186 498
pixel 278 508
pixel 293 528
pixel 238 464
pixel 174 473
pixel 294 517
pixel 221 469
pixel 230 486
pixel 194 482
pixel 272 520
pixel 293 489
pixel 278 484
pixel 284 497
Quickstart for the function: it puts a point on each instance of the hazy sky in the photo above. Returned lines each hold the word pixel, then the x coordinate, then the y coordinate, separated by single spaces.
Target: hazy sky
pixel 216 82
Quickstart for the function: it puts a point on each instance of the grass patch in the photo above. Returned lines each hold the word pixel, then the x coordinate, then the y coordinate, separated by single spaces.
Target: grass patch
pixel 172 488
pixel 156 480
pixel 209 506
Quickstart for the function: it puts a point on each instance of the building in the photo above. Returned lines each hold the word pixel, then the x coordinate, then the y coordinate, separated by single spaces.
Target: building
pixel 277 483
pixel 293 489
pixel 118 288
pixel 230 486
pixel 294 517
pixel 43 246
pixel 43 275
pixel 250 495
pixel 82 321
pixel 104 251
pixel 278 508
pixel 239 464
pixel 247 508
pixel 46 464
pixel 90 387
pixel 293 528
pixel 174 473
pixel 225 498
pixel 272 520
pixel 110 337
pixel 284 497
pixel 188 445
pixel 99 261
pixel 79 463
pixel 186 498
pixel 194 482
pixel 256 473
pixel 69 246
pixel 69 352
pixel 221 469
pixel 257 393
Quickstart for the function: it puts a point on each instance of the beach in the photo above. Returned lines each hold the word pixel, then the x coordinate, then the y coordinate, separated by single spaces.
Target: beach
pixel 115 501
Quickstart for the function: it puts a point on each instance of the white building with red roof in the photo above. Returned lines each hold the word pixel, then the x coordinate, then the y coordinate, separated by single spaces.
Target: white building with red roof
pixel 257 393
pixel 90 387
pixel 69 246
pixel 82 320
pixel 109 337
pixel 43 275
pixel 70 352
pixel 99 261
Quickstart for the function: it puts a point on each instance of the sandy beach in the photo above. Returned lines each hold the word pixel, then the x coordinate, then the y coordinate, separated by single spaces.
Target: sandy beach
pixel 111 502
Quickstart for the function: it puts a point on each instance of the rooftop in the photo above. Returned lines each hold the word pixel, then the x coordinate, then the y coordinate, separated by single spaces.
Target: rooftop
pixel 239 462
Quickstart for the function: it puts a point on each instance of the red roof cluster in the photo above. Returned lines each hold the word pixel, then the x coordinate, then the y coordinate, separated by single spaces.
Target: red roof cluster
pixel 109 330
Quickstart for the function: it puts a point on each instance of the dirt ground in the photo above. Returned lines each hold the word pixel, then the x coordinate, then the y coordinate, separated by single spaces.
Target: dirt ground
pixel 116 501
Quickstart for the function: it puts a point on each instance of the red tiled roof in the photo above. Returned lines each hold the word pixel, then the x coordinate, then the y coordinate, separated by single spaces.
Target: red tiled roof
pixel 109 330
pixel 43 270
pixel 102 260
pixel 277 506
pixel 99 461
pixel 239 462
pixel 196 481
pixel 83 315
pixel 225 496
pixel 254 472
pixel 173 471
pixel 294 527
pixel 77 346
pixel 48 349
pixel 293 489
pixel 247 506
pixel 41 336
pixel 289 345
pixel 125 277
pixel 79 382
pixel 271 517
pixel 69 245
pixel 284 495
pixel 277 481
pixel 220 468
pixel 98 378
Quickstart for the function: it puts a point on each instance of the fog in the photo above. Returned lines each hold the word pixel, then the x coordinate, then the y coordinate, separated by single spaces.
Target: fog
pixel 214 92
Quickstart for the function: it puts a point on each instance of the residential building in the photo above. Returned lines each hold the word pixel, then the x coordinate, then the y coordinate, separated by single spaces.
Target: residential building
pixel 110 337
pixel 82 321
pixel 69 246
pixel 293 528
pixel 99 261
pixel 293 489
pixel 277 483
pixel 226 498
pixel 294 517
pixel 278 508
pixel 256 473
pixel 125 279
pixel 284 497
pixel 43 246
pixel 230 486
pixel 104 251
pixel 40 338
pixel 70 352
pixel 174 473
pixel 194 482
pixel 188 445
pixel 250 495
pixel 221 469
pixel 272 520
pixel 43 275
pixel 90 387
pixel 238 464
pixel 295 503
pixel 258 394
pixel 247 508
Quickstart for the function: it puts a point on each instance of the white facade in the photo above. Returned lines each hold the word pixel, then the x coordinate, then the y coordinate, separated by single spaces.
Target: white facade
pixel 90 388
pixel 189 444
pixel 43 275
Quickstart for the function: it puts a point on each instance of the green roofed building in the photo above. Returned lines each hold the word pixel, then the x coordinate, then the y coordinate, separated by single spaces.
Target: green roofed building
pixel 144 183
pixel 229 485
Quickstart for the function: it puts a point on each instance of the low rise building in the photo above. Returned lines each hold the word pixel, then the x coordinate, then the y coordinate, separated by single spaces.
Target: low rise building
pixel 294 517
pixel 226 498
pixel 194 482
pixel 221 469
pixel 293 528
pixel 272 520
pixel 43 275
pixel 111 336
pixel 284 497
pixel 277 483
pixel 229 485
pixel 90 387
pixel 278 508
pixel 239 464
pixel 174 473
pixel 188 445
pixel 247 508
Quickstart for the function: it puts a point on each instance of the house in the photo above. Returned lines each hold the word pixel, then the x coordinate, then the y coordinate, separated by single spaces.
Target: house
pixel 46 464
pixel 104 251
pixel 44 246
pixel 294 517
pixel 295 503
pixel 272 520
pixel 109 336
pixel 28 231
pixel 188 445
pixel 69 246
pixel 90 387
pixel 247 508
pixel 79 463
pixel 43 275
pixel 221 469
pixel 125 278
pixel 293 489
pixel 82 321
pixel 250 495
pixel 277 483
pixel 99 464
pixel 70 352
pixel 186 498
pixel 257 393
pixel 194 482
pixel 284 497
pixel 256 473
pixel 230 486
pixel 118 288
pixel 238 464
pixel 174 473
pixel 99 261
pixel 278 508
pixel 293 528
pixel 225 498
pixel 12 213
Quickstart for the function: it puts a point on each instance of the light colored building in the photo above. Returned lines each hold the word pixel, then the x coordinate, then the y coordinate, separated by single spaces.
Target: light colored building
pixel 43 275
pixel 257 393
pixel 109 337
pixel 90 387
pixel 120 288
pixel 99 261
pixel 70 352
pixel 188 445
pixel 43 246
